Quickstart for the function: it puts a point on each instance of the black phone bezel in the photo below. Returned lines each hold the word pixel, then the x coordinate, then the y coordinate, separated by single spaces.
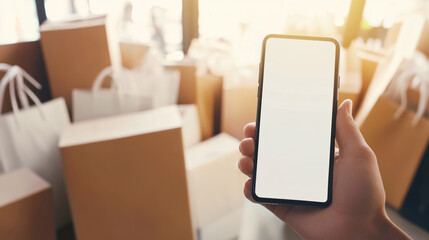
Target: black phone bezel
pixel 333 124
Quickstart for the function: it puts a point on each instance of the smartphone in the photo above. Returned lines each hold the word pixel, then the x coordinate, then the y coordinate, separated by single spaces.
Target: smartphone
pixel 295 122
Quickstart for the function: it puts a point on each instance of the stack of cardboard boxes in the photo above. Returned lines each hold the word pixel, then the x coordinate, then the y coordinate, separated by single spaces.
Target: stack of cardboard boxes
pixel 138 175
pixel 147 174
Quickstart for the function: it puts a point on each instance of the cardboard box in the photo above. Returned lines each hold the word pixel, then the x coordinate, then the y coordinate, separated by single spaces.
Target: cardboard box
pixel 188 80
pixel 126 177
pixel 209 99
pixel 75 52
pixel 191 131
pixel 27 55
pixel 216 186
pixel 205 91
pixel 132 53
pixel 26 207
pixel 239 105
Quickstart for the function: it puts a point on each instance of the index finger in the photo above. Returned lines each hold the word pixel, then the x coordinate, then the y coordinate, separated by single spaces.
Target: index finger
pixel 249 130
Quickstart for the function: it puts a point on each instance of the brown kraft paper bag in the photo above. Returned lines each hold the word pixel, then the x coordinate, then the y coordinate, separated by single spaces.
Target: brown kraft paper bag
pixel 398 143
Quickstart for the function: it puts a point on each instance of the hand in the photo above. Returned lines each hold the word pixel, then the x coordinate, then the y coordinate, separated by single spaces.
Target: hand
pixel 357 210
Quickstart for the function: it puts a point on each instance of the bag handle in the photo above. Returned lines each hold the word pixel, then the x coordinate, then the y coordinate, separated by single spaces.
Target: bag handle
pixel 15 73
pixel 24 100
pixel 115 74
pixel 16 76
pixel 405 80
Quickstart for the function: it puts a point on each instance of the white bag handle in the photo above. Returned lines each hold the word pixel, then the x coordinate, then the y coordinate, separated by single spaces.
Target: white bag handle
pixel 15 73
pixel 116 75
pixel 4 68
pixel 404 80
pixel 117 81
pixel 11 72
pixel 21 74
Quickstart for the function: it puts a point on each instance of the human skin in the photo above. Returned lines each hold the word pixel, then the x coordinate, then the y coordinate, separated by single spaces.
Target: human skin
pixel 357 210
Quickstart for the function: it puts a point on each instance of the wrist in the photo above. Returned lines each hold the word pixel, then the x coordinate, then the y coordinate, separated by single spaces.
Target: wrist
pixel 384 228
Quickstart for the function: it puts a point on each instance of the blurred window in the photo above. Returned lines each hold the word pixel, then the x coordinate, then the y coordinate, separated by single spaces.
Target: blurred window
pixel 18 21
pixel 160 21
pixel 58 9
pixel 149 21
pixel 244 23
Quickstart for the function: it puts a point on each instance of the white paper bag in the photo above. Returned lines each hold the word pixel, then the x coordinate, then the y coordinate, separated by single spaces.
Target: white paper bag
pixel 29 137
pixel 146 87
pixel 154 79
pixel 122 97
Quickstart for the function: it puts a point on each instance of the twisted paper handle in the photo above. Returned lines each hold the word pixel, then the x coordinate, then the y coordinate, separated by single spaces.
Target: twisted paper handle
pixel 118 76
pixel 404 79
pixel 15 73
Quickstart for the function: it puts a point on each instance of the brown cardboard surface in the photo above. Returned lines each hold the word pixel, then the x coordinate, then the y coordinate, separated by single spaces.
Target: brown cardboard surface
pixel 75 54
pixel 209 98
pixel 128 184
pixel 398 145
pixel 27 55
pixel 188 81
pixel 205 91
pixel 132 53
pixel 26 207
pixel 354 96
pixel 239 105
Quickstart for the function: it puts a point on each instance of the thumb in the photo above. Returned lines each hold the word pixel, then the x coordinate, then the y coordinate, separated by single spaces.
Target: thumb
pixel 348 135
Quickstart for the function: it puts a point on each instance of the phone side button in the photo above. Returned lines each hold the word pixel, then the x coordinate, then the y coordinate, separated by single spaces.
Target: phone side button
pixel 339 81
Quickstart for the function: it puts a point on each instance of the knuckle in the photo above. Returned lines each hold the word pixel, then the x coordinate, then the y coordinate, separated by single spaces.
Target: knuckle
pixel 364 151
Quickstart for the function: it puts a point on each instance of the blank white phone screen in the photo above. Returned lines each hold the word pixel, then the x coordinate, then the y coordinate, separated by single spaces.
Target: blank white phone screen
pixel 295 120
